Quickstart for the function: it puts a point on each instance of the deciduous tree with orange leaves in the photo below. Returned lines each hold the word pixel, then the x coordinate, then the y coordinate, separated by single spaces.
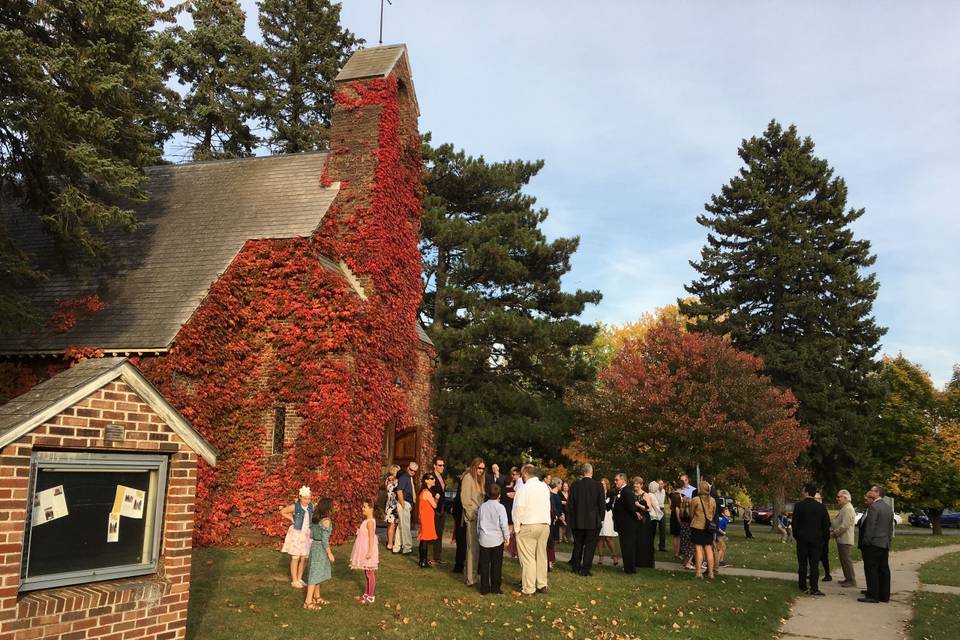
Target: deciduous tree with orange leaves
pixel 670 400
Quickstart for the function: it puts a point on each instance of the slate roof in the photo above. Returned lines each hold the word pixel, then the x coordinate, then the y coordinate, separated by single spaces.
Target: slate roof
pixel 372 62
pixel 195 223
pixel 24 413
pixel 50 391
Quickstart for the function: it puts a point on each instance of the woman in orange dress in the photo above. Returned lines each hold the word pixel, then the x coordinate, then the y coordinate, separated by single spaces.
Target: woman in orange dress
pixel 427 506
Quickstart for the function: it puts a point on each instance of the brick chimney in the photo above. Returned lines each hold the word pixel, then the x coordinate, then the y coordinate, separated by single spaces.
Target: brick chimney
pixel 375 156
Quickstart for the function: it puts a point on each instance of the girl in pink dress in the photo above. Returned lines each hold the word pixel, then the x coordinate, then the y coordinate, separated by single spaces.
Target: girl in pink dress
pixel 366 552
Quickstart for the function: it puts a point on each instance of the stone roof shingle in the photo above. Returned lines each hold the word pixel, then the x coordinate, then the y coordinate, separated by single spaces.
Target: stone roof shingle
pixel 198 218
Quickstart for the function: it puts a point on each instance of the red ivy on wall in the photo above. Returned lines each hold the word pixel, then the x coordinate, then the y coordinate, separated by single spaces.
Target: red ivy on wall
pixel 279 329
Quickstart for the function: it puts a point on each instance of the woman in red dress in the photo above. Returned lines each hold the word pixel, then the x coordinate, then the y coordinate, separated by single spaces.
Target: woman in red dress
pixel 427 506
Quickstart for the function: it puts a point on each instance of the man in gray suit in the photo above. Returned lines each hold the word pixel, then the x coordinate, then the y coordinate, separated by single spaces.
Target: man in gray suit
pixel 876 533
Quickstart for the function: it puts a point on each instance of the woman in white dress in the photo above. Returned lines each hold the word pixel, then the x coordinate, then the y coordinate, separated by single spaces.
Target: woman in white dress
pixel 607 533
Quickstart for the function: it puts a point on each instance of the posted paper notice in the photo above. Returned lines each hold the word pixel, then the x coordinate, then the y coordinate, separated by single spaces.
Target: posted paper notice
pixel 49 504
pixel 113 527
pixel 128 502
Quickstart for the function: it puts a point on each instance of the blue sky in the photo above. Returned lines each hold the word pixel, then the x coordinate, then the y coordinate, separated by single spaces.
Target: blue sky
pixel 638 109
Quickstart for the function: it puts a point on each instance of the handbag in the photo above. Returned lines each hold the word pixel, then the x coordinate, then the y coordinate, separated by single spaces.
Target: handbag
pixel 711 525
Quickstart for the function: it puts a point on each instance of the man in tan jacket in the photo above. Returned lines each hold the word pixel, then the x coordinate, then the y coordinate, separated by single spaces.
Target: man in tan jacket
pixel 842 529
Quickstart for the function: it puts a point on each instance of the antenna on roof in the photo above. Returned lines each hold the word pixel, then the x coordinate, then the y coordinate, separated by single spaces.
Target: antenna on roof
pixel 381 19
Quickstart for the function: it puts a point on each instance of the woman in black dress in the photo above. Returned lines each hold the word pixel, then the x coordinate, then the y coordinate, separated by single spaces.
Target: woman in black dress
pixel 645 535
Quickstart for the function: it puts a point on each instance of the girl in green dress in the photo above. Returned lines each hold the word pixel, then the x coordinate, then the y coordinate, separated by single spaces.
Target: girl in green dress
pixel 321 557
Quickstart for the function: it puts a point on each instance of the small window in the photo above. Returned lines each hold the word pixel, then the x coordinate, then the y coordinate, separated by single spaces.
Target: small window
pixel 92 517
pixel 279 428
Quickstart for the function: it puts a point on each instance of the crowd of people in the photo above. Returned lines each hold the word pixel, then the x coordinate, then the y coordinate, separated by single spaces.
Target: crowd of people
pixel 524 514
pixel 812 528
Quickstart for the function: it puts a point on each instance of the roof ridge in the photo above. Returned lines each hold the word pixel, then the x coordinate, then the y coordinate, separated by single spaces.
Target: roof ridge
pixel 224 161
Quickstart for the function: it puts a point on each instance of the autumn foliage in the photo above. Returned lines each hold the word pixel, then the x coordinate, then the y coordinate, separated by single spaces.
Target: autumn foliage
pixel 279 328
pixel 670 400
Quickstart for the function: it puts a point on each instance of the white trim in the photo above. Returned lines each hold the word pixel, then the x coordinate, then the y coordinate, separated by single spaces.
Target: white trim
pixel 78 394
pixel 170 415
pixel 136 380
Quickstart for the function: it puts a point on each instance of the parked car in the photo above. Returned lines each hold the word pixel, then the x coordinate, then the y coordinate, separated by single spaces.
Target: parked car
pixel 730 503
pixel 764 515
pixel 950 518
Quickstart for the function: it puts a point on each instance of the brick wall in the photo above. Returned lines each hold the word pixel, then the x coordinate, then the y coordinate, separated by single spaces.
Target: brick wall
pixel 153 606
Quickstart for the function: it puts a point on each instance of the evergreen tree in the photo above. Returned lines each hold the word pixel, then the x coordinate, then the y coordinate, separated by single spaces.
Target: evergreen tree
pixel 222 71
pixel 507 336
pixel 781 274
pixel 82 110
pixel 304 47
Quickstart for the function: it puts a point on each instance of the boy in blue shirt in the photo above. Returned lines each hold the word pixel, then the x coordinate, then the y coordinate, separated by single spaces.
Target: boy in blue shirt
pixel 722 537
pixel 493 532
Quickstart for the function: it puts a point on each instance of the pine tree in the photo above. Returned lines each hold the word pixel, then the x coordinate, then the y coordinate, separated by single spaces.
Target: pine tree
pixel 507 336
pixel 782 275
pixel 222 71
pixel 83 108
pixel 304 47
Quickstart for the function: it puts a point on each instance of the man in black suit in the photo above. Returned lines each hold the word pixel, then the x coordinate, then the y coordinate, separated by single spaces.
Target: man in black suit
pixel 439 494
pixel 626 523
pixel 811 529
pixel 459 533
pixel 496 477
pixel 585 509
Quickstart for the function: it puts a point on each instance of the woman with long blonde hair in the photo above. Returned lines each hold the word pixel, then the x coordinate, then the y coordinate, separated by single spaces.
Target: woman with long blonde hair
pixel 471 497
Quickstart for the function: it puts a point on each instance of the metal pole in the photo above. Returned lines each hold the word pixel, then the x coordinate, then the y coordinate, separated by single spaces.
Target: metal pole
pixel 381 21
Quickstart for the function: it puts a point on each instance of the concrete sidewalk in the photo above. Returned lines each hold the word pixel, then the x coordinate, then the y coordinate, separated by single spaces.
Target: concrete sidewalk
pixel 839 616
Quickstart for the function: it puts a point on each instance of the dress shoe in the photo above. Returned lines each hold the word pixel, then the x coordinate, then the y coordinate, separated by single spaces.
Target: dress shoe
pixel 817 593
pixel 585 574
pixel 868 599
pixel 542 590
pixel 827 578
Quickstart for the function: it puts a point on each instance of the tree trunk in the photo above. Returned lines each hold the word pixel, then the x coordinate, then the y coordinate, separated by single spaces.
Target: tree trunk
pixel 779 499
pixel 936 521
pixel 439 317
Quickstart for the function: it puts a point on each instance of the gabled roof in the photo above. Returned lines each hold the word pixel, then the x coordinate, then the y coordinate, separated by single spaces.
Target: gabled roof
pixel 372 62
pixel 198 218
pixel 28 411
pixel 377 62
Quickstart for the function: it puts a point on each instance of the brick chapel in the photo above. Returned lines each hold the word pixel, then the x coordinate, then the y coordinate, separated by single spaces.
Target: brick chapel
pixel 273 302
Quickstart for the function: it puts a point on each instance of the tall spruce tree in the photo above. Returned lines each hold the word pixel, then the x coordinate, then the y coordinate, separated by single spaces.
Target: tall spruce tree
pixel 222 71
pixel 782 274
pixel 83 109
pixel 506 334
pixel 304 49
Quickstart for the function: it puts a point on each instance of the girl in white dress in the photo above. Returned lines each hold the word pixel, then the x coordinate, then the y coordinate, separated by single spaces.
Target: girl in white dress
pixel 607 533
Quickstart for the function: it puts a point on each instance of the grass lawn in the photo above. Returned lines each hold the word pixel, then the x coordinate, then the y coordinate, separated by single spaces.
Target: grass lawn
pixel 943 570
pixel 935 616
pixel 766 552
pixel 247 591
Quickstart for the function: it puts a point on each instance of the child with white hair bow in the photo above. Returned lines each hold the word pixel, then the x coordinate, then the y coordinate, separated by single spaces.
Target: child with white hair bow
pixel 297 542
